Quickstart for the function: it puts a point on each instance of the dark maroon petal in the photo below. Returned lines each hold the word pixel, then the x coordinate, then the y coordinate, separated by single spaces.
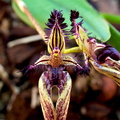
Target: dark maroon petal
pixel 108 51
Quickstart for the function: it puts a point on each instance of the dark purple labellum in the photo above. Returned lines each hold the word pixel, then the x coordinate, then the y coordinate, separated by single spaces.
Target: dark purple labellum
pixel 108 51
pixel 55 75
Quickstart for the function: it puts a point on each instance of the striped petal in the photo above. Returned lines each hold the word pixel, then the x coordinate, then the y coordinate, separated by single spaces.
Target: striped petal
pixel 60 79
pixel 45 99
pixel 64 99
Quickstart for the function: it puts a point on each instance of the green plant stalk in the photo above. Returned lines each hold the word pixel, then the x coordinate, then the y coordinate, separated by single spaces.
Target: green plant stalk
pixel 115 19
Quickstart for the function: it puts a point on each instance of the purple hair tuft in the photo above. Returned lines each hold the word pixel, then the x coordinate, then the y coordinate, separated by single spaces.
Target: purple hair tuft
pixel 56 17
pixel 56 20
pixel 74 15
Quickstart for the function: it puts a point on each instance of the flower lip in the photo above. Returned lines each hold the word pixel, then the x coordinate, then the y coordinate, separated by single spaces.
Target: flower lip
pixel 107 51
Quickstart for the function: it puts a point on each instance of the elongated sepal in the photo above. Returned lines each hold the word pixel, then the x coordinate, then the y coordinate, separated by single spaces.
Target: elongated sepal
pixel 55 32
pixel 64 99
pixel 79 33
pixel 45 99
pixel 110 69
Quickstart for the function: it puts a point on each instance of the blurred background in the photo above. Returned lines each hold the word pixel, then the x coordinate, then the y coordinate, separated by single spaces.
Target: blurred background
pixel 92 98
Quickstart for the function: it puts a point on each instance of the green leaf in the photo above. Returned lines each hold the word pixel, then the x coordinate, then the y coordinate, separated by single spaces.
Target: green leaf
pixel 115 38
pixel 111 18
pixel 93 21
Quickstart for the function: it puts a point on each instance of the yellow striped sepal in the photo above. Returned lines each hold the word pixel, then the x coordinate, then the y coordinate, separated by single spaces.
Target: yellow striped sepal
pixel 56 32
pixel 56 40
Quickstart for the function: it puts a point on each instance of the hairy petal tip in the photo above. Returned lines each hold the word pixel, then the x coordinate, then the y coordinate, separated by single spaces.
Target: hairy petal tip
pixel 74 15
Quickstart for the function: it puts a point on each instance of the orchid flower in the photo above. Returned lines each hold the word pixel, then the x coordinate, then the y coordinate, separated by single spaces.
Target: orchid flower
pixel 56 76
pixel 104 58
